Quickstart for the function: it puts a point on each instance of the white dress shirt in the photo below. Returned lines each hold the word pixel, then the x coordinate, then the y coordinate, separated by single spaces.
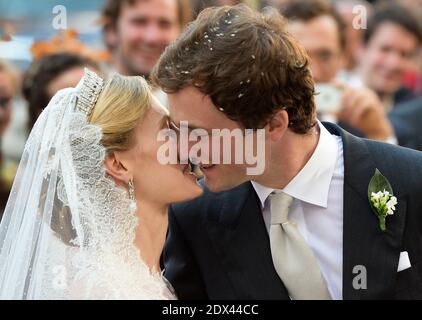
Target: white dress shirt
pixel 318 207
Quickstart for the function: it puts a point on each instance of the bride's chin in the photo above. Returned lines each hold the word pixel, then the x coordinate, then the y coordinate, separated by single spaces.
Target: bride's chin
pixel 191 191
pixel 194 192
pixel 198 191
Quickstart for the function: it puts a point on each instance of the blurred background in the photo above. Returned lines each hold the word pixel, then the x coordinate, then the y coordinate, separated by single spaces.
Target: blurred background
pixel 365 58
pixel 32 21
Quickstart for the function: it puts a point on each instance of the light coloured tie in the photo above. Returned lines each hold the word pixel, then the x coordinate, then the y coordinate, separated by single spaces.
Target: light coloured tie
pixel 293 260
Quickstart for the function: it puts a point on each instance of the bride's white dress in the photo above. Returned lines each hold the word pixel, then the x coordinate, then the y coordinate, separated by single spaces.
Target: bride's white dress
pixel 102 276
pixel 68 231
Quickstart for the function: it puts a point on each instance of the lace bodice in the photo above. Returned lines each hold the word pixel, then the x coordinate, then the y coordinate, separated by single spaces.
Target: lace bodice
pixel 68 231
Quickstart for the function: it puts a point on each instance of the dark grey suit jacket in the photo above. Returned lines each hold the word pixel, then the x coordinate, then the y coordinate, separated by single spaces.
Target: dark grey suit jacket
pixel 218 246
pixel 408 117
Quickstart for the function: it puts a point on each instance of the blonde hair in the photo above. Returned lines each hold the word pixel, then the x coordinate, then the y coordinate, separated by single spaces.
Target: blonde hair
pixel 120 107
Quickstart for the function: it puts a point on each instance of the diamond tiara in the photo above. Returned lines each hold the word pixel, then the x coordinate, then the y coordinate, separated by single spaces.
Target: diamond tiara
pixel 91 86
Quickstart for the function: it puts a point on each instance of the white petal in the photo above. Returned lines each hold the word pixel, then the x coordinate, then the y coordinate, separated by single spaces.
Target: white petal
pixel 375 196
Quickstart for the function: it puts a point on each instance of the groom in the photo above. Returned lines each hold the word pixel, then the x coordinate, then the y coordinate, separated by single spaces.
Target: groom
pixel 304 228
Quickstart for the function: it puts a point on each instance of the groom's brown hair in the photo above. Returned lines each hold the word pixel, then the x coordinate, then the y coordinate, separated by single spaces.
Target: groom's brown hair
pixel 246 62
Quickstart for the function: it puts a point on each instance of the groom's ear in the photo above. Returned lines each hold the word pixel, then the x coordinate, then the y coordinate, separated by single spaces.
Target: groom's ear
pixel 115 168
pixel 278 125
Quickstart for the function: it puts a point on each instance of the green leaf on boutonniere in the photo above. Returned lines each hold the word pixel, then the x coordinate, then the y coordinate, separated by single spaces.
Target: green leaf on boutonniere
pixel 381 198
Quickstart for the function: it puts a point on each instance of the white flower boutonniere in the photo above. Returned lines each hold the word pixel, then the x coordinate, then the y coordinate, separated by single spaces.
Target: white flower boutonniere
pixel 381 198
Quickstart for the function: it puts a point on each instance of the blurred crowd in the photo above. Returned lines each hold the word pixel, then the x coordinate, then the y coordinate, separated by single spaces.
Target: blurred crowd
pixel 365 58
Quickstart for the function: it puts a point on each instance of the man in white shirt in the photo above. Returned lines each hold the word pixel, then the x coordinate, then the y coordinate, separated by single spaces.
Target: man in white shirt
pixel 317 208
pixel 320 29
pixel 305 227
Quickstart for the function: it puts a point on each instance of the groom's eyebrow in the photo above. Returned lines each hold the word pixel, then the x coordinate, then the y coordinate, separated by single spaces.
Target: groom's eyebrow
pixel 190 126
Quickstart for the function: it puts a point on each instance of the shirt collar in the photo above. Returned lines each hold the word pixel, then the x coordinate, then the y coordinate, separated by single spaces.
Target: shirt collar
pixel 312 183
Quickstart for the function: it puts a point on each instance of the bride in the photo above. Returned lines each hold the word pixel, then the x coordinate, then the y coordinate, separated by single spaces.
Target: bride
pixel 87 215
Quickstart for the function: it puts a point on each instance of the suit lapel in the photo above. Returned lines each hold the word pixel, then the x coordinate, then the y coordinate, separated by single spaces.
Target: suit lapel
pixel 364 244
pixel 240 239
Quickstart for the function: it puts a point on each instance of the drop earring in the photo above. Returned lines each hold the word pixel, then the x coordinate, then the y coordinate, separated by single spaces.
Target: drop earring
pixel 131 188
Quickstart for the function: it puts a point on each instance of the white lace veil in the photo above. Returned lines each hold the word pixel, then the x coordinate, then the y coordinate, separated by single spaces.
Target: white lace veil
pixel 67 231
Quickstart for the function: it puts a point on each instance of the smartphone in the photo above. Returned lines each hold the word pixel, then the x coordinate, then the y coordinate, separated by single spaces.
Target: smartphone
pixel 327 98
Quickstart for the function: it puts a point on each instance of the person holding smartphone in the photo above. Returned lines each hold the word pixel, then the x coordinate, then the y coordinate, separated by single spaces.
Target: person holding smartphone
pixel 321 30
